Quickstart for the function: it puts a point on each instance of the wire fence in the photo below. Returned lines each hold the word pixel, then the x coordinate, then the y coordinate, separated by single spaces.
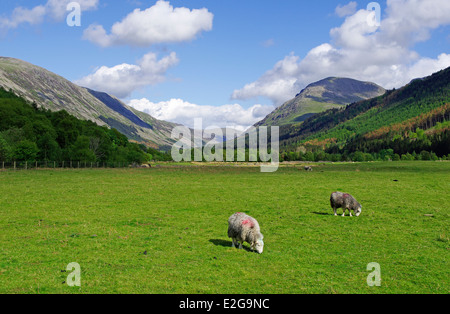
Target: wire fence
pixel 26 165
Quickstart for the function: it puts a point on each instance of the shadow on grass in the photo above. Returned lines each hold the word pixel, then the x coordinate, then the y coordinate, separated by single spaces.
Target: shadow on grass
pixel 219 242
pixel 227 244
pixel 323 213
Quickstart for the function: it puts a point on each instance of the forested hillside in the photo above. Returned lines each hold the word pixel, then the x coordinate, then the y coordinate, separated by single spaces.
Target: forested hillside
pixel 410 120
pixel 29 133
pixel 51 91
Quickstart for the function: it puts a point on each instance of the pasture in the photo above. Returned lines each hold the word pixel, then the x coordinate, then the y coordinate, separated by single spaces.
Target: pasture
pixel 164 229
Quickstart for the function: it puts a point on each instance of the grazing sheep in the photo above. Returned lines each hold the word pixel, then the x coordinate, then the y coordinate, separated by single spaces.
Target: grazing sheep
pixel 243 228
pixel 308 168
pixel 345 201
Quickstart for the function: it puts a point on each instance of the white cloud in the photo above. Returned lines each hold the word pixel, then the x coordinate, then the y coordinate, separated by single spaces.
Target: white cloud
pixel 161 23
pixel 358 50
pixel 423 66
pixel 121 80
pixel 22 15
pixel 347 9
pixel 56 9
pixel 410 21
pixel 182 112
pixel 275 84
pixel 268 43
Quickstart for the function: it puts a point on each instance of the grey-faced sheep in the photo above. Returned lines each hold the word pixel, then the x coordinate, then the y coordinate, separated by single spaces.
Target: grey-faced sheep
pixel 308 168
pixel 243 228
pixel 345 201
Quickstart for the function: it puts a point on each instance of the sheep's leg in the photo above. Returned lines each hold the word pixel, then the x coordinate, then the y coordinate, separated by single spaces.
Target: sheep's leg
pixel 335 213
pixel 240 245
pixel 343 209
pixel 233 241
pixel 350 211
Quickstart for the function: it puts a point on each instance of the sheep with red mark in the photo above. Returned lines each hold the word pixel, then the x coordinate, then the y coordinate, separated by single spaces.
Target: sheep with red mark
pixel 243 228
pixel 345 201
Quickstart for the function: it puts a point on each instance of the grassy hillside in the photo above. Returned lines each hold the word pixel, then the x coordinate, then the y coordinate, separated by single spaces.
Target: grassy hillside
pixel 164 230
pixel 332 92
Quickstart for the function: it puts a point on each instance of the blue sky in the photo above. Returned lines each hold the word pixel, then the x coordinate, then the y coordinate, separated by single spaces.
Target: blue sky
pixel 230 62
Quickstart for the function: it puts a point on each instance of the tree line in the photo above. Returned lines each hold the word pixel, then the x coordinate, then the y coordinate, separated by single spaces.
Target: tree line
pixel 358 156
pixel 29 133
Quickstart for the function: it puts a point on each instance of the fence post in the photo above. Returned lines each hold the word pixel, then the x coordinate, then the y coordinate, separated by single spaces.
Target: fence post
pixel 26 165
pixel 14 165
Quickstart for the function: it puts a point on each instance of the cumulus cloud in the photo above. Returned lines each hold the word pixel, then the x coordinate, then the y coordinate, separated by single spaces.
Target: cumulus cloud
pixel 345 10
pixel 121 80
pixel 360 50
pixel 423 66
pixel 55 9
pixel 410 21
pixel 182 112
pixel 22 15
pixel 161 23
pixel 275 84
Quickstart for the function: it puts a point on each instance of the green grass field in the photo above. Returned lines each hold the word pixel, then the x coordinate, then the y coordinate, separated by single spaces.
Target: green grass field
pixel 164 230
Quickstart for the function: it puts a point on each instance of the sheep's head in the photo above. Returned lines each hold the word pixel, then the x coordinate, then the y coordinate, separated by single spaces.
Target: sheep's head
pixel 259 245
pixel 358 211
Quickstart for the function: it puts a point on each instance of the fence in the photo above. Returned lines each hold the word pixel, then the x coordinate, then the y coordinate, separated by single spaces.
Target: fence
pixel 25 165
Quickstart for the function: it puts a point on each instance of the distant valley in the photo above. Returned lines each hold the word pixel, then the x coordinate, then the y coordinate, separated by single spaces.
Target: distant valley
pixel 334 116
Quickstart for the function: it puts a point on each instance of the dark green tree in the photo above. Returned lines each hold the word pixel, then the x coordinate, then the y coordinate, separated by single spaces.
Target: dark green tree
pixel 25 151
pixel 5 150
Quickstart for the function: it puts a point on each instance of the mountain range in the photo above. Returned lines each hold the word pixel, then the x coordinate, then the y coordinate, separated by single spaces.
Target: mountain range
pixel 412 118
pixel 51 91
pixel 332 92
pixel 333 114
